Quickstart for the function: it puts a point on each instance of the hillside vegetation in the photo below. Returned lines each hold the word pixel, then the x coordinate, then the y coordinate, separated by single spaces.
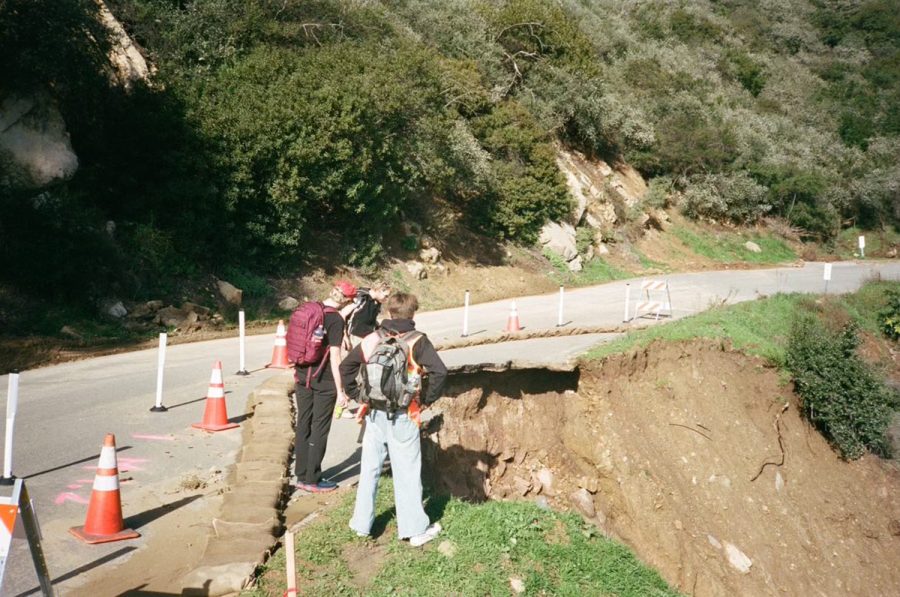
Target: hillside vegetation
pixel 277 131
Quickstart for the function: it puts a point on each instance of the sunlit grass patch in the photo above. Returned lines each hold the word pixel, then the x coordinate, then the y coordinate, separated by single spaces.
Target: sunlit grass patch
pixel 485 546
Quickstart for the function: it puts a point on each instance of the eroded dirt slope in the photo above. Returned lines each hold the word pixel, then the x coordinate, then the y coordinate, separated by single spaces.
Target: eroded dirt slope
pixel 659 448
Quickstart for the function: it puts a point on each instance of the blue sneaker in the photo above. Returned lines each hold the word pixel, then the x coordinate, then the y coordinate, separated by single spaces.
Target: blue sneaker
pixel 325 485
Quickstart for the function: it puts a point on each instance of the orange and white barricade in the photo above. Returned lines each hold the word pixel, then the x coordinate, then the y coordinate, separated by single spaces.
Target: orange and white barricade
pixel 654 300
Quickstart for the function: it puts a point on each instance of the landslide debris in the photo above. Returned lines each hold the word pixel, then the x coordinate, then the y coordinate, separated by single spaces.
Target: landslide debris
pixel 659 449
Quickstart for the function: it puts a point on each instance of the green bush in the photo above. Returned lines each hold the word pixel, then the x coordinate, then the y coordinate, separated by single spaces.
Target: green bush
pixel 840 395
pixel 890 316
pixel 526 187
pixel 734 197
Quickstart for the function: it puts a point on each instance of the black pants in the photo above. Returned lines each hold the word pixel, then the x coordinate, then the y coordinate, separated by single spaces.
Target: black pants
pixel 315 409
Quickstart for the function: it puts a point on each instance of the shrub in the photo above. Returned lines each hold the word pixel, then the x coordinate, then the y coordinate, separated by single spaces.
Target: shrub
pixel 890 316
pixel 734 197
pixel 839 394
pixel 526 186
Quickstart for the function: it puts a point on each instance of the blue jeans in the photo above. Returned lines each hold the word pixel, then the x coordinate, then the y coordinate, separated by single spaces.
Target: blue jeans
pixel 400 439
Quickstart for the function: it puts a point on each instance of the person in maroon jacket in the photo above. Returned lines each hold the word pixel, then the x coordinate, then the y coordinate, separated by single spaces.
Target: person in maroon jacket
pixel 315 403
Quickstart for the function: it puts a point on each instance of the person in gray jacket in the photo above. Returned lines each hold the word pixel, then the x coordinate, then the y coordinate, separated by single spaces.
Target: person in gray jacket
pixel 395 433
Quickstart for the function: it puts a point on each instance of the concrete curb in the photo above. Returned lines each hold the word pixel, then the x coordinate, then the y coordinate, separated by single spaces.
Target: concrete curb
pixel 249 521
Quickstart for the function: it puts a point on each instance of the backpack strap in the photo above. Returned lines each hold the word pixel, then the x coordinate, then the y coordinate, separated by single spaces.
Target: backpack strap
pixel 410 338
pixel 309 374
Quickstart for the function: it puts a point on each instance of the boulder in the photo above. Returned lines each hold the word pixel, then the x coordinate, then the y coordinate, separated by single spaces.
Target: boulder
pixel 417 270
pixel 545 477
pixel 170 317
pixel 752 247
pixel 34 137
pixel 559 237
pixel 140 311
pixel 201 311
pixel 288 303
pixel 738 559
pixel 230 293
pixel 115 308
pixel 430 256
pixel 583 502
pixel 575 265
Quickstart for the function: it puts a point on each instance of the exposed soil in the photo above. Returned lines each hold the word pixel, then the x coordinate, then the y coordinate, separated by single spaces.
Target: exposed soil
pixel 669 447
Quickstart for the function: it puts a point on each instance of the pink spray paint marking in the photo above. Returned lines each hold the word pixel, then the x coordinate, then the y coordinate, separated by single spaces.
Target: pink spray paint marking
pixel 68 496
pixel 125 464
pixel 157 438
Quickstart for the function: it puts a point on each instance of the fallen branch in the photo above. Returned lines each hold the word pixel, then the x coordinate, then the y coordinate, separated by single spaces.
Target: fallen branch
pixel 780 444
pixel 691 429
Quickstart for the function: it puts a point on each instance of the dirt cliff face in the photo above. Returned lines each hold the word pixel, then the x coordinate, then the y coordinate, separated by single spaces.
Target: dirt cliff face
pixel 666 449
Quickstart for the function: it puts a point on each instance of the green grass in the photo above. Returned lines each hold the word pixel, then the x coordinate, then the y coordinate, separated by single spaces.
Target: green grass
pixel 757 327
pixel 878 242
pixel 552 553
pixel 594 271
pixel 729 248
pixel 648 263
pixel 866 305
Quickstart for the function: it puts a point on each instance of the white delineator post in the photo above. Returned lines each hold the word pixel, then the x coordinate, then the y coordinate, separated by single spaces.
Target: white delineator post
pixel 465 330
pixel 862 246
pixel 627 300
pixel 559 317
pixel 160 366
pixel 826 275
pixel 243 366
pixel 12 403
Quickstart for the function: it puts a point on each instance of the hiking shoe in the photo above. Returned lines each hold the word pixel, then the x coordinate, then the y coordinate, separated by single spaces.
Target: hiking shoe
pixel 430 533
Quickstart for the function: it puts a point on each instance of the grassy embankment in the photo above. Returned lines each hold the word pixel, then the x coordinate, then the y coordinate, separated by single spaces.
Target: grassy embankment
pixel 760 328
pixel 482 548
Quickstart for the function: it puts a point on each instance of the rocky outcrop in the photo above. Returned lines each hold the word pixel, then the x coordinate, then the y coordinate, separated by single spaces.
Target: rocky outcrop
pixel 35 149
pixel 601 192
pixel 128 65
pixel 603 196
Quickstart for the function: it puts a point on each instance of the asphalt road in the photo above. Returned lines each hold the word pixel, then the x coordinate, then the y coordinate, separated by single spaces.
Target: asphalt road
pixel 65 410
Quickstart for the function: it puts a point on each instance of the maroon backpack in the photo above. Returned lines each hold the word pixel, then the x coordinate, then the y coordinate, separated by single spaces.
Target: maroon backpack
pixel 306 337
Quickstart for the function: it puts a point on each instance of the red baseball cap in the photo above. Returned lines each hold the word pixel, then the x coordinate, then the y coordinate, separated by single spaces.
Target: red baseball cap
pixel 346 288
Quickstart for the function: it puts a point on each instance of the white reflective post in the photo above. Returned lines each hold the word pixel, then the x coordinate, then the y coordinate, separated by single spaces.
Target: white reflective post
pixel 862 246
pixel 627 300
pixel 243 367
pixel 160 363
pixel 465 330
pixel 826 275
pixel 559 317
pixel 12 403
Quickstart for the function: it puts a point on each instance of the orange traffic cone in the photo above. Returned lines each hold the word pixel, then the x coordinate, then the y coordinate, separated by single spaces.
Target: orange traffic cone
pixel 104 516
pixel 215 417
pixel 279 352
pixel 512 323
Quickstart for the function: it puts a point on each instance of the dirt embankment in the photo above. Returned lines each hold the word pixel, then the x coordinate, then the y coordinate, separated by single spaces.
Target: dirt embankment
pixel 660 448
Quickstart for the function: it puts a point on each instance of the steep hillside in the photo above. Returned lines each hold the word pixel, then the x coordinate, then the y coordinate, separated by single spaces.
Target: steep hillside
pixel 268 138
